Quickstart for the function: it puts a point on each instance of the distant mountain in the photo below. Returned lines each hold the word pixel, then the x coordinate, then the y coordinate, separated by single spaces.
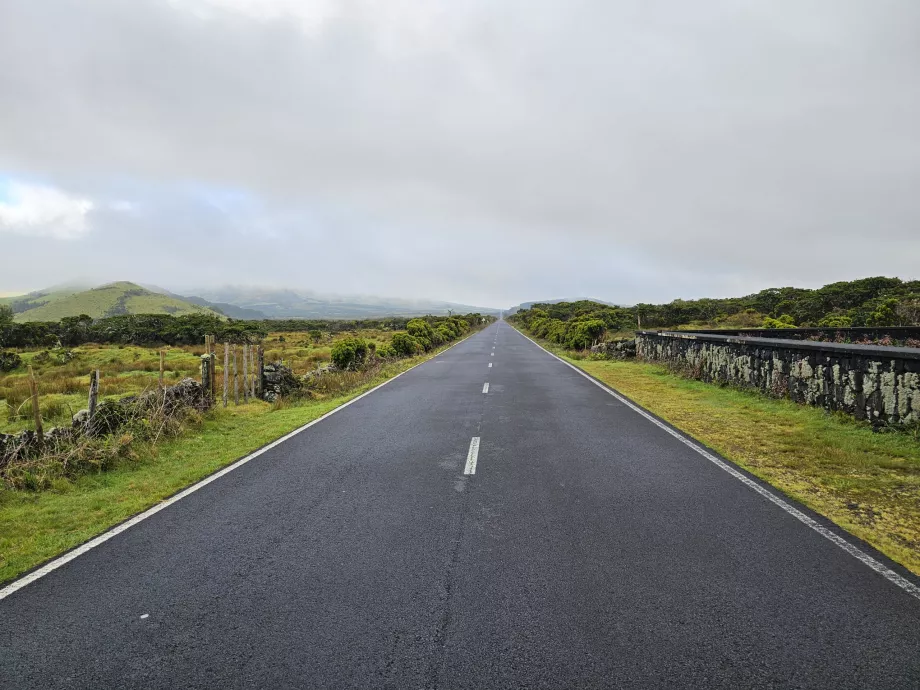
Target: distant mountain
pixel 288 304
pixel 231 310
pixel 246 303
pixel 106 300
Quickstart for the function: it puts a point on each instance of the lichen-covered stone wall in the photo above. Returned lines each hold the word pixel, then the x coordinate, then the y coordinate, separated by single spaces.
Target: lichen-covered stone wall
pixel 875 383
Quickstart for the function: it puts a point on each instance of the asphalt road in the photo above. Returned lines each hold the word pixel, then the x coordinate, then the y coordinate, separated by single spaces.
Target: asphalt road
pixel 590 549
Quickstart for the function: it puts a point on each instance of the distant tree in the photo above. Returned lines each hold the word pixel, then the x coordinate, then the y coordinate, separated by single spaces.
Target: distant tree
pixel 886 314
pixel 909 312
pixel 784 321
pixel 836 321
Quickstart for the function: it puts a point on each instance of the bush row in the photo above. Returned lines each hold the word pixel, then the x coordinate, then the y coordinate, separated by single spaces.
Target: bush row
pixel 578 334
pixel 421 335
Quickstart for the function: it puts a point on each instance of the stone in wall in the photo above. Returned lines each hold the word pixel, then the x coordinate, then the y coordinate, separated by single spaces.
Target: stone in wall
pixel 278 381
pixel 616 349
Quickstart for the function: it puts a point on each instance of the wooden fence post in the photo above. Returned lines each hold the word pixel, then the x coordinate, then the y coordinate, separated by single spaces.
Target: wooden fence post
pixel 213 368
pixel 93 400
pixel 245 373
pixel 212 371
pixel 261 368
pixel 93 393
pixel 236 380
pixel 252 373
pixel 207 354
pixel 36 412
pixel 226 370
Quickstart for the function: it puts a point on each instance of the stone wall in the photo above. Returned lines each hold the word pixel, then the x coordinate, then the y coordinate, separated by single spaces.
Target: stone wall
pixel 871 382
pixel 110 416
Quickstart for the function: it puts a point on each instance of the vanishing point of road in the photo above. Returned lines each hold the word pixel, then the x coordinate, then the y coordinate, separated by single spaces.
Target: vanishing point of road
pixel 490 519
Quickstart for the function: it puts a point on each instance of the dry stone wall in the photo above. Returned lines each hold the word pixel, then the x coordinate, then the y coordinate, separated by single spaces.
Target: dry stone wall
pixel 875 383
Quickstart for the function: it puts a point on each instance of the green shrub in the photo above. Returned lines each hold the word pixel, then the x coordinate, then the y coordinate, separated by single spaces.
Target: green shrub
pixel 405 345
pixel 419 329
pixel 460 325
pixel 9 361
pixel 386 351
pixel 784 321
pixel 836 321
pixel 581 334
pixel 349 353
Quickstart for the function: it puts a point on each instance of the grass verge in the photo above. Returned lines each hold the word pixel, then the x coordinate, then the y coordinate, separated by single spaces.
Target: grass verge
pixel 866 482
pixel 35 527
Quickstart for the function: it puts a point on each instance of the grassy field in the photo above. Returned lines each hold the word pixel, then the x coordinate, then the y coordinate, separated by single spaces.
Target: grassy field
pixel 129 369
pixel 36 526
pixel 866 482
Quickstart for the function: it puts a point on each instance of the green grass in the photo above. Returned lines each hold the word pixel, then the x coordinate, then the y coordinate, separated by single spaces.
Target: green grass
pixel 130 369
pixel 866 482
pixel 63 388
pixel 35 527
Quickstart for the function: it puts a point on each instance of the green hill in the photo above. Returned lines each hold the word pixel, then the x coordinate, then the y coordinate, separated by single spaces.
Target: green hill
pixel 107 300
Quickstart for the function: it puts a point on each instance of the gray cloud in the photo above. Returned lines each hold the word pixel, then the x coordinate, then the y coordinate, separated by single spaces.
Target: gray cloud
pixel 469 150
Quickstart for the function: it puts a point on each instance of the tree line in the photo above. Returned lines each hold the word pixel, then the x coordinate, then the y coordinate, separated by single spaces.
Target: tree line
pixel 190 329
pixel 875 302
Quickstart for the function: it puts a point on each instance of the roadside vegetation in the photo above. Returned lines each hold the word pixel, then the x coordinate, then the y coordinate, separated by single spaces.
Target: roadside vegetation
pixel 869 302
pixel 865 480
pixel 76 488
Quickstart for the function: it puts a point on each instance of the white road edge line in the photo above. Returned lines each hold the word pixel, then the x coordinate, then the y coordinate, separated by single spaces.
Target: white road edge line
pixel 471 456
pixel 485 387
pixel 16 585
pixel 854 551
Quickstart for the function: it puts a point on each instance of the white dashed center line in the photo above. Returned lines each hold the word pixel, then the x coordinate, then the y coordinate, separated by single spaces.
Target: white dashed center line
pixel 471 456
pixel 485 388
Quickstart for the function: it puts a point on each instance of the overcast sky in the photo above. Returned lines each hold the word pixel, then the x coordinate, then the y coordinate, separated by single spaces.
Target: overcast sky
pixel 470 150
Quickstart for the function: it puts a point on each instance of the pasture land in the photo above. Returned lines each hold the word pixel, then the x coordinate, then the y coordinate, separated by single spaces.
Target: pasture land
pixel 63 374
